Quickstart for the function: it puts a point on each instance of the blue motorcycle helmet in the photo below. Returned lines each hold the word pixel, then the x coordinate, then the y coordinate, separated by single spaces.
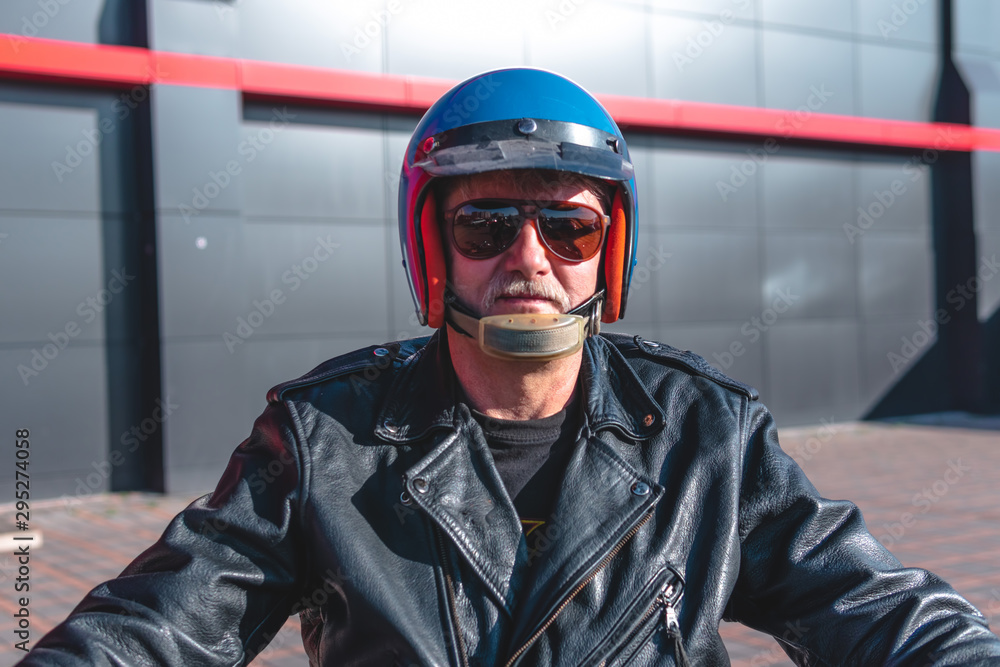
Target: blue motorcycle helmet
pixel 518 118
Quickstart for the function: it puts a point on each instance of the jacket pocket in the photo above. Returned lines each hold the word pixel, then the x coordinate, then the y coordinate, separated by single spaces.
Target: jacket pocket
pixel 649 633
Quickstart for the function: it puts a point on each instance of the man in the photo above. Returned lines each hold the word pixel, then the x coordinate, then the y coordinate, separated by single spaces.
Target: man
pixel 517 489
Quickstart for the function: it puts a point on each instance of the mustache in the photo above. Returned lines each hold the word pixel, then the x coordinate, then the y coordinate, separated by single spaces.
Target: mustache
pixel 515 285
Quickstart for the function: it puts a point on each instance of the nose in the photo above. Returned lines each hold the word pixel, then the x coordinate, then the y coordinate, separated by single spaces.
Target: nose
pixel 528 255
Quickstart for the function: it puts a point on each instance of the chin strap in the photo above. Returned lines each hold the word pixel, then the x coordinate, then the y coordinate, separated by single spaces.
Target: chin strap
pixel 529 336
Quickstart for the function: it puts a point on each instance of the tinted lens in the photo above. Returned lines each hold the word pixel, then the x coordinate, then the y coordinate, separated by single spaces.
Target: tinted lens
pixel 482 231
pixel 485 228
pixel 571 232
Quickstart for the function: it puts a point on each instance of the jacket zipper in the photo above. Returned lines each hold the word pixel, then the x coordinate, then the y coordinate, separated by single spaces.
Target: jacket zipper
pixel 664 599
pixel 583 584
pixel 669 613
pixel 450 590
pixel 673 625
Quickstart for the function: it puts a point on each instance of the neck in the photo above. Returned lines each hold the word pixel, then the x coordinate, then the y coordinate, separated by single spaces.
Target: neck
pixel 512 389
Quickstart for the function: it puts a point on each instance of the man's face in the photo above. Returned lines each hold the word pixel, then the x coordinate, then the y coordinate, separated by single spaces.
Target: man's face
pixel 526 277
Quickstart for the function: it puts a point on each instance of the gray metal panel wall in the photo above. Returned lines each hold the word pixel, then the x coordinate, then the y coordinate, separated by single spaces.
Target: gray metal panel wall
pixel 977 23
pixel 248 196
pixel 73 20
pixel 55 200
pixel 274 243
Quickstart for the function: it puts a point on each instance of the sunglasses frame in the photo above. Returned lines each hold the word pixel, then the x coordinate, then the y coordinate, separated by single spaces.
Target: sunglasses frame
pixel 520 205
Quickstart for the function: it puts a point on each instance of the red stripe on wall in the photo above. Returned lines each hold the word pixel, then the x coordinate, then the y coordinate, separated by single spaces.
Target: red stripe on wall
pixel 119 66
pixel 71 62
pixel 341 87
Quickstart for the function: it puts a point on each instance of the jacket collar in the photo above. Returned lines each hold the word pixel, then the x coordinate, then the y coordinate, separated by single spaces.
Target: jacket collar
pixel 456 484
pixel 616 398
pixel 423 396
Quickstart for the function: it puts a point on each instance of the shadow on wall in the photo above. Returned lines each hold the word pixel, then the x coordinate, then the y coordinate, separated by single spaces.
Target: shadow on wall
pixel 123 23
pixel 923 386
pixel 914 393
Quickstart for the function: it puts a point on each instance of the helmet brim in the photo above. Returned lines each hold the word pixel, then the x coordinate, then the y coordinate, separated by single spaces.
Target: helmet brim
pixel 524 154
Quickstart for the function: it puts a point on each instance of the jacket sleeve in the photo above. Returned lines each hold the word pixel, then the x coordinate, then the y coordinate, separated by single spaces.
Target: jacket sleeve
pixel 219 583
pixel 814 577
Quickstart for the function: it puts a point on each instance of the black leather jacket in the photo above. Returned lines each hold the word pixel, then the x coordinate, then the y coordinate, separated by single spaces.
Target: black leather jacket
pixel 366 499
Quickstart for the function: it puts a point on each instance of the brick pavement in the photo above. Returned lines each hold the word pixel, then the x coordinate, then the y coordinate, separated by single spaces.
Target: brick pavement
pixel 948 522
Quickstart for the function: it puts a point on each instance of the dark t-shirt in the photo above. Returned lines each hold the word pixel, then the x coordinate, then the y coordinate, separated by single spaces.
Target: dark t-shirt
pixel 531 456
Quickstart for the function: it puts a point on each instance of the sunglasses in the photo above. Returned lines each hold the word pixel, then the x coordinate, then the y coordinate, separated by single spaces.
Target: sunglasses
pixel 484 228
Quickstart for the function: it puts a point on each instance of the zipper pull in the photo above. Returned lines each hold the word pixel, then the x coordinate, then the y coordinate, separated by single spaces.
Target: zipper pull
pixel 673 626
pixel 670 615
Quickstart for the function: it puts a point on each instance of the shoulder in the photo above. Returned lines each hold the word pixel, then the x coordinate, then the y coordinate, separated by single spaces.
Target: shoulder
pixel 364 365
pixel 639 351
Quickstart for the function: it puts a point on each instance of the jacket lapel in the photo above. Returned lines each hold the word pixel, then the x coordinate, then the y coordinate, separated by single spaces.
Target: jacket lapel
pixel 601 497
pixel 464 496
pixel 455 483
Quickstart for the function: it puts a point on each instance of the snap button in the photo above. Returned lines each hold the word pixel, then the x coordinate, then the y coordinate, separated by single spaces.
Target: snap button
pixel 390 426
pixel 527 125
pixel 381 352
pixel 421 485
pixel 648 420
pixel 404 498
pixel 640 489
pixel 652 344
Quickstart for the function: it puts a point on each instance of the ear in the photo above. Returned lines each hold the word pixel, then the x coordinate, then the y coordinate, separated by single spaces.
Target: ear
pixel 437 270
pixel 614 262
